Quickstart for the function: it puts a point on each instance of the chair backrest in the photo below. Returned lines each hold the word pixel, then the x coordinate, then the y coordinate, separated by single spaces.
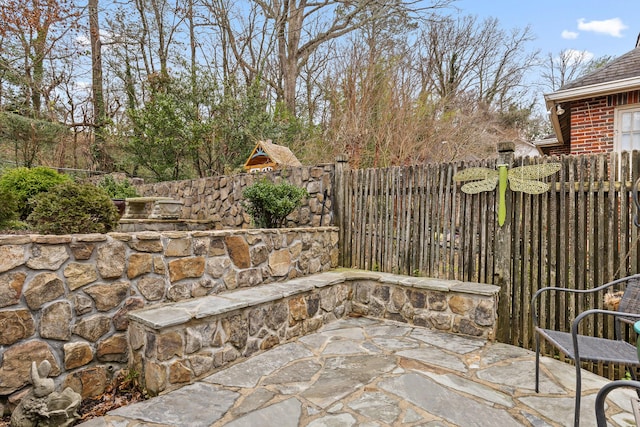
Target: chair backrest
pixel 630 302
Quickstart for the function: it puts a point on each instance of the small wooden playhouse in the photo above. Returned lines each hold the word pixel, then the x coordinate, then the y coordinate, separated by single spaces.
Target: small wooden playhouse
pixel 267 156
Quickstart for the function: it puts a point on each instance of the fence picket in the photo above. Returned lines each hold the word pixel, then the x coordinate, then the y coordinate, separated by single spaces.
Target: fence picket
pixel 416 220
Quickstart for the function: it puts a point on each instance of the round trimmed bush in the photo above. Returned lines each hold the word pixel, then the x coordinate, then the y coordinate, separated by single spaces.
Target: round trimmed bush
pixel 269 203
pixel 25 183
pixel 70 208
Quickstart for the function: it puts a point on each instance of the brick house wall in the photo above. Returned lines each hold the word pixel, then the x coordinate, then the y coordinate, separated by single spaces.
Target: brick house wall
pixel 555 151
pixel 592 124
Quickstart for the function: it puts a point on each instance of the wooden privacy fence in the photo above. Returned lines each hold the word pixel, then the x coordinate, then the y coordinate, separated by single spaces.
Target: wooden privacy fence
pixel 415 220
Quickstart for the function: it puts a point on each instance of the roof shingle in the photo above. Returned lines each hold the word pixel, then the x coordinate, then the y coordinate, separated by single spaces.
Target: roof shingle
pixel 623 67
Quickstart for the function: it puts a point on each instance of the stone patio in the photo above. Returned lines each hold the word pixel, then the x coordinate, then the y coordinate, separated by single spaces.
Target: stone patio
pixel 367 372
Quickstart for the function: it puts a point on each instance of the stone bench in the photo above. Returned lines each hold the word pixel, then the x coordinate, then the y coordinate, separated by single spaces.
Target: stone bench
pixel 174 344
pixel 163 208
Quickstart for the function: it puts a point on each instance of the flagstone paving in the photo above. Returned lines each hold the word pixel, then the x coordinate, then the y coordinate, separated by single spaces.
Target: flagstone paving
pixel 365 372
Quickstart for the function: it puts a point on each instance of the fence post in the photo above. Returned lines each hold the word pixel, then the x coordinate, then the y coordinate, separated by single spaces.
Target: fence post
pixel 503 262
pixel 340 194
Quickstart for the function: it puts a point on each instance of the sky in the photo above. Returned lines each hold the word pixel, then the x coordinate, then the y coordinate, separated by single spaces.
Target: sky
pixel 602 27
pixel 598 27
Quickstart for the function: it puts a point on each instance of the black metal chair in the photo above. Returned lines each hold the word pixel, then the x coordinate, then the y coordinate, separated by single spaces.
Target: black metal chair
pixel 586 348
pixel 602 396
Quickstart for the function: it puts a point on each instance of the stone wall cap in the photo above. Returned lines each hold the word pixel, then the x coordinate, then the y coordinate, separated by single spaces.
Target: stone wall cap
pixel 204 233
pixel 476 288
pixel 161 317
pixel 191 305
pixel 354 274
pixel 315 282
pixel 122 237
pixel 11 239
pixel 145 199
pixel 293 287
pixel 432 284
pixel 213 305
pixel 391 278
pixel 327 278
pixel 176 234
pixel 49 239
pixel 256 295
pixel 95 237
pixel 148 235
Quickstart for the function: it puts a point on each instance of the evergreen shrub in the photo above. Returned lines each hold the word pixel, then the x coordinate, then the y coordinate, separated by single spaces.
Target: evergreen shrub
pixel 25 183
pixel 70 208
pixel 118 189
pixel 8 207
pixel 270 203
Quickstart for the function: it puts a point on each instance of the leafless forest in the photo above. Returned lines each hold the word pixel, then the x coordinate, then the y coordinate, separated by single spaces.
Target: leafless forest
pixel 174 89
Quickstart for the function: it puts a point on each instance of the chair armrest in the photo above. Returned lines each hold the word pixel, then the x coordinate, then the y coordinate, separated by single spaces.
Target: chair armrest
pixel 539 292
pixel 578 319
pixel 536 296
pixel 602 395
pixel 576 323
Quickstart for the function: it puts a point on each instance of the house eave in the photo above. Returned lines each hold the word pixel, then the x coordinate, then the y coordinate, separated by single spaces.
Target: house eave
pixel 552 100
pixel 598 89
pixel 546 143
pixel 553 116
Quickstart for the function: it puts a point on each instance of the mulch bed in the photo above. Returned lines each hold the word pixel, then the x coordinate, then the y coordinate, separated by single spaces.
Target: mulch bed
pixel 124 390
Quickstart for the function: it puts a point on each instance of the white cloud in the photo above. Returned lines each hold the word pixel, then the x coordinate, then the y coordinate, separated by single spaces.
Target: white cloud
pixel 83 40
pixel 105 37
pixel 569 35
pixel 82 85
pixel 612 27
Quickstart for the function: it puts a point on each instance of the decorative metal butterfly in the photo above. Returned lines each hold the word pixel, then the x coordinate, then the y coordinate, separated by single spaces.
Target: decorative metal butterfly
pixel 522 178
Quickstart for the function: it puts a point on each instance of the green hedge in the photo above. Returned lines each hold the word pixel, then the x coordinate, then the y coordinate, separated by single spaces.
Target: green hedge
pixel 70 208
pixel 26 183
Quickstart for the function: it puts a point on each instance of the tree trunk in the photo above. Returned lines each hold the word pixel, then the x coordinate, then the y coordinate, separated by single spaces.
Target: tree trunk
pixel 100 154
pixel 289 54
pixel 39 48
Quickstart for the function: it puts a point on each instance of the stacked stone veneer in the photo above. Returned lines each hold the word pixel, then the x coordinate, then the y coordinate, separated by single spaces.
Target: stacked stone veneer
pixel 66 298
pixel 176 344
pixel 218 201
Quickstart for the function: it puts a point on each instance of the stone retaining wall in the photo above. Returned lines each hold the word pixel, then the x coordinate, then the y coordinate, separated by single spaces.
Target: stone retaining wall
pixel 218 200
pixel 176 344
pixel 66 298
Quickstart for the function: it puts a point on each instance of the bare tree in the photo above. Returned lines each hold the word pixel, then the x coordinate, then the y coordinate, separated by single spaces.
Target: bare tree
pixel 159 22
pixel 300 27
pixel 246 41
pixel 568 65
pixel 564 67
pixel 450 96
pixel 30 31
pixel 465 55
pixel 100 154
